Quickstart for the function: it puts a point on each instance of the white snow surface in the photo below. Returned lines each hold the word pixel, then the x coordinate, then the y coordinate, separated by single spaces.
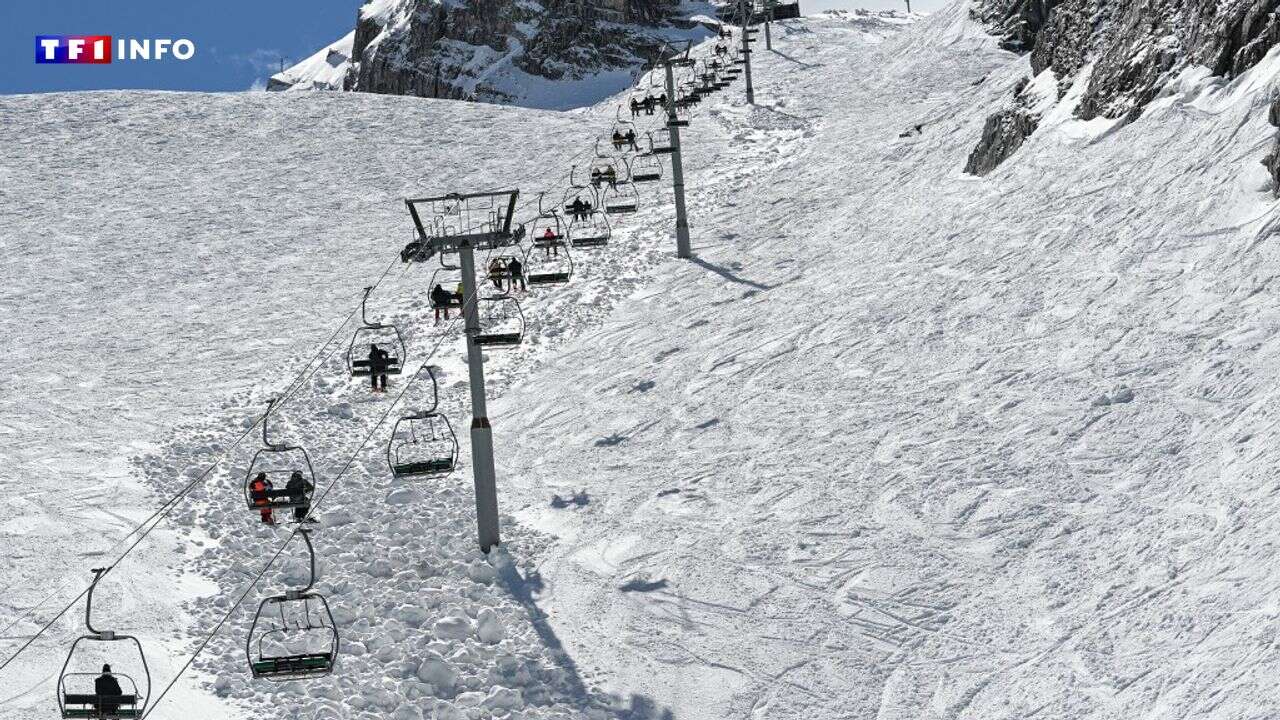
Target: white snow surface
pixel 899 443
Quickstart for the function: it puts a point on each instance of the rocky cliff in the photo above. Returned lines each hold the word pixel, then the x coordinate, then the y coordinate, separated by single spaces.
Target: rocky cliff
pixel 540 53
pixel 1131 49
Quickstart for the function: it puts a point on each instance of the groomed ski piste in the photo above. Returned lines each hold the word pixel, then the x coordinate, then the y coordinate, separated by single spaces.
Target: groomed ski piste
pixel 899 443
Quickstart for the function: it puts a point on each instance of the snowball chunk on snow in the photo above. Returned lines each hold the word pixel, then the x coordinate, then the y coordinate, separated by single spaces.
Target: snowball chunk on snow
pixel 489 627
pixel 438 672
pixel 452 628
pixel 504 699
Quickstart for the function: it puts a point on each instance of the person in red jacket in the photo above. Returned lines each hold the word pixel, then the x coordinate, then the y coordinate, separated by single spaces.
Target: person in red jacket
pixel 258 492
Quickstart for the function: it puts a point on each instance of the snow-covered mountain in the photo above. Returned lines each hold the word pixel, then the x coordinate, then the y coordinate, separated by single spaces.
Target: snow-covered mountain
pixel 902 442
pixel 554 54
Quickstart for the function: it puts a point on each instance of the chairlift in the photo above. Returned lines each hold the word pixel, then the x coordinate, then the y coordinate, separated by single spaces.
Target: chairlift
pixel 660 142
pixel 371 335
pixel 83 691
pixel 645 168
pixel 449 280
pixel 548 228
pixel 604 172
pixel 500 269
pixel 547 264
pixel 416 250
pixel 621 199
pixel 501 322
pixel 589 229
pixel 293 636
pixel 272 469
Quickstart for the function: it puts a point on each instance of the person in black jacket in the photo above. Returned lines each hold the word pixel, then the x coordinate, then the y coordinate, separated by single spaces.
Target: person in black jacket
pixel 107 688
pixel 299 488
pixel 515 274
pixel 440 301
pixel 377 368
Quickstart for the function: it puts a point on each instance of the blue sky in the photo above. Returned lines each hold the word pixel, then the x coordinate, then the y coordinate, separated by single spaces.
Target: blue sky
pixel 237 42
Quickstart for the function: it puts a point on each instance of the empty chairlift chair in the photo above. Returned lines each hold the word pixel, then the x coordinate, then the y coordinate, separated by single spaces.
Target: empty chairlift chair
pixel 660 142
pixel 621 199
pixel 293 636
pixel 280 476
pixel 96 679
pixel 647 168
pixel 422 445
pixel 501 322
pixel 384 336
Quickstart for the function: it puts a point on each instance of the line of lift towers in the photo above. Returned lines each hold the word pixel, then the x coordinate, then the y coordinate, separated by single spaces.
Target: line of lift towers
pixel 280 476
pixel 496 232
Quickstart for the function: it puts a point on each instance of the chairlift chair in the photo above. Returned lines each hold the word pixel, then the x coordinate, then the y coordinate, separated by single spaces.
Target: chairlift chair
pixel 78 689
pixel 497 270
pixel 552 234
pixel 660 142
pixel 448 279
pixel 422 445
pixel 293 636
pixel 547 265
pixel 645 168
pixel 604 172
pixel 501 322
pixel 590 230
pixel 278 462
pixel 370 334
pixel 422 442
pixel 621 199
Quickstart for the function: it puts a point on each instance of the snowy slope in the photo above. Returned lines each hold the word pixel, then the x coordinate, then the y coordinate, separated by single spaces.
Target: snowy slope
pixel 901 443
pixel 324 70
pixel 909 444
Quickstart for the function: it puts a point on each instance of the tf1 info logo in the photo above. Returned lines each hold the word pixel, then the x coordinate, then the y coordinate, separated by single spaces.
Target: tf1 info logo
pixel 97 49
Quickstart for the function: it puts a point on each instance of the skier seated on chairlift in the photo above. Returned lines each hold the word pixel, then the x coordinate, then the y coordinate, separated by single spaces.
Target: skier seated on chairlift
pixel 440 299
pixel 459 291
pixel 260 492
pixel 515 274
pixel 579 209
pixel 549 243
pixel 377 368
pixel 635 107
pixel 106 685
pixel 608 175
pixel 618 140
pixel 649 100
pixel 298 487
pixel 630 139
pixel 498 269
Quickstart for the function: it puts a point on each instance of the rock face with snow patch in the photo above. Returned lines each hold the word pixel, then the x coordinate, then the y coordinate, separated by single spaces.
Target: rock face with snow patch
pixel 1003 133
pixel 1134 48
pixel 503 51
pixel 1272 160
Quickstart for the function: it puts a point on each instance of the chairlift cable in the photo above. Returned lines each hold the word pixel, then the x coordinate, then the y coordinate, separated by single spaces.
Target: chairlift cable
pixel 318 500
pixel 167 507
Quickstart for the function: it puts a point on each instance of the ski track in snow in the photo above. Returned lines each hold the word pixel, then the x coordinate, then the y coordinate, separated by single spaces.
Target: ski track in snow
pixel 899 443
